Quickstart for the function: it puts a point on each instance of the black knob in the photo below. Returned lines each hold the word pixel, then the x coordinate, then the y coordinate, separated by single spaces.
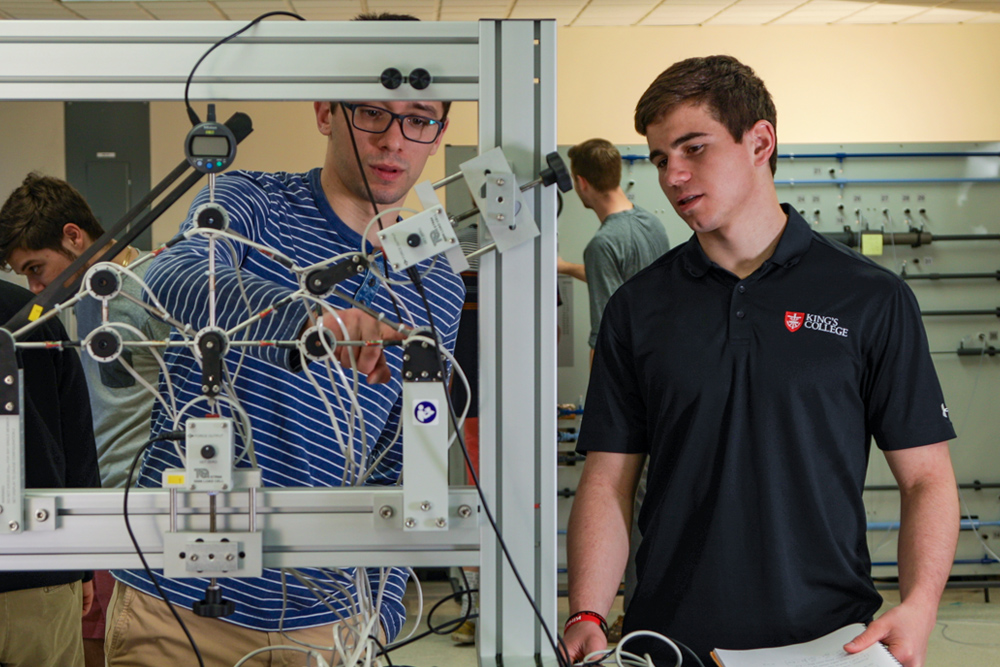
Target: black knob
pixel 213 606
pixel 208 452
pixel 556 173
pixel 104 345
pixel 420 78
pixel 104 282
pixel 391 78
pixel 211 217
pixel 413 240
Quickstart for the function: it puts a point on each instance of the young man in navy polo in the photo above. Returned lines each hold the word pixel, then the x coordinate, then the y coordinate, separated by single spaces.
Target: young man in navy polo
pixel 753 365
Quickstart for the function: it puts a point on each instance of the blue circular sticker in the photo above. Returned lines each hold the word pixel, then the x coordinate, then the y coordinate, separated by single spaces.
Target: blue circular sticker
pixel 425 412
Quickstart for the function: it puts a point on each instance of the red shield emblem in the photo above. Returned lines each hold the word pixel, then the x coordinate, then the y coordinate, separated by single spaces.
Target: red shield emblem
pixel 793 321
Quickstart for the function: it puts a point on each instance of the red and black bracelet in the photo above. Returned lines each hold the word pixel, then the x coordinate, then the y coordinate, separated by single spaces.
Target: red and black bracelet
pixel 591 616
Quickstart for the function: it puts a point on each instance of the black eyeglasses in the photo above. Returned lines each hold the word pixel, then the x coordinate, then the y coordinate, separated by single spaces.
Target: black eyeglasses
pixel 420 129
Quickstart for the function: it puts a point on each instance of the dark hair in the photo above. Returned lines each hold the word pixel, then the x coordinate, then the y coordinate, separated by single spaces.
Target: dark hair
pixel 389 16
pixel 733 94
pixel 384 16
pixel 34 215
pixel 599 162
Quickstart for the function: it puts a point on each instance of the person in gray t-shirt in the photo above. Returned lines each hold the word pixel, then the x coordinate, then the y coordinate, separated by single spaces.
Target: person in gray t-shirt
pixel 628 240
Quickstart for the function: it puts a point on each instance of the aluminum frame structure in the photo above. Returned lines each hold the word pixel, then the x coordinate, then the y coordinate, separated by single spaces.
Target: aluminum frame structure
pixel 509 67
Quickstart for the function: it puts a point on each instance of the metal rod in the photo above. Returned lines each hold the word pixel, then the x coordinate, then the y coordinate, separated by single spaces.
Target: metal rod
pixel 950 276
pixel 482 251
pixel 447 180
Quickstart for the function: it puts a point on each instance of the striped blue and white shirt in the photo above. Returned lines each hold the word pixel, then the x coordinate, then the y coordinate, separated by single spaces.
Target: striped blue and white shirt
pixel 293 437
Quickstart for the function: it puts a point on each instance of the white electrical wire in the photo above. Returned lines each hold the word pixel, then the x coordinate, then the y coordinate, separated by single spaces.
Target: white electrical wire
pixel 646 633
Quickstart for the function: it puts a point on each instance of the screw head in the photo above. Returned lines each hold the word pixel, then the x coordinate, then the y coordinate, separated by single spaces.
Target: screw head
pixel 9 407
pixel 464 511
pixel 14 525
pixel 410 523
pixel 500 181
pixel 230 557
pixel 426 505
pixel 9 379
pixel 501 217
pixel 385 512
pixel 42 514
pixel 440 522
pixel 194 557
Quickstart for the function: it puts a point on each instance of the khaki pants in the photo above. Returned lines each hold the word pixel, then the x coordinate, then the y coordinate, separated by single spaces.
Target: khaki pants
pixel 40 627
pixel 141 632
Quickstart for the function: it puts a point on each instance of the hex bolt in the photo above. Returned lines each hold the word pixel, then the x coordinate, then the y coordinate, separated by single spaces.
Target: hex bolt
pixel 14 525
pixel 42 514
pixel 385 512
pixel 425 506
pixel 8 379
pixel 440 522
pixel 410 523
pixel 464 511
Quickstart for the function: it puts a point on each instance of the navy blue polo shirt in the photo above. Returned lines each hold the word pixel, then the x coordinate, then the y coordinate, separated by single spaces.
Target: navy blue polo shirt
pixel 756 401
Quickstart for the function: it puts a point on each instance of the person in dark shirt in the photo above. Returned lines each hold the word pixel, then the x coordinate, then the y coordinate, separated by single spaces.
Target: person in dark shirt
pixel 40 611
pixel 753 366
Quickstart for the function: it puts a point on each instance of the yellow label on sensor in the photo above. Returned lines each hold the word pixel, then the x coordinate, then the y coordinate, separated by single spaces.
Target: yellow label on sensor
pixel 871 244
pixel 36 312
pixel 175 479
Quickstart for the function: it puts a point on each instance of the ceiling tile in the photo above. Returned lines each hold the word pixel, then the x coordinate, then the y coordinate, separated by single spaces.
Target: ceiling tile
pixel 37 10
pixel 944 15
pixel 182 11
pixel 883 13
pixel 247 10
pixel 624 14
pixel 327 10
pixel 747 14
pixel 991 17
pixel 684 14
pixel 109 11
pixel 821 12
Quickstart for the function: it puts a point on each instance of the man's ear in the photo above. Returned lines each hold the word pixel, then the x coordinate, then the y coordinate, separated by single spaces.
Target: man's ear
pixel 763 140
pixel 75 238
pixel 323 117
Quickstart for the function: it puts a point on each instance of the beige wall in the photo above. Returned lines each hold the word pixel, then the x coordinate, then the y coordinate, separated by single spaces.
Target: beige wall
pixel 831 84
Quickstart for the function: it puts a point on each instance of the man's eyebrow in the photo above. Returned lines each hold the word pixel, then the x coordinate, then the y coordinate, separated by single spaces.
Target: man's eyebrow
pixel 687 137
pixel 425 107
pixel 655 154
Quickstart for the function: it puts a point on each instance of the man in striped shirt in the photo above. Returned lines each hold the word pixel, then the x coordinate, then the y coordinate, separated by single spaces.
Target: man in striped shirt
pixel 305 430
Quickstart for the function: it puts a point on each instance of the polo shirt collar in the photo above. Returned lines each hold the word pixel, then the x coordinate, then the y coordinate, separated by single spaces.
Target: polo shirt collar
pixel 794 242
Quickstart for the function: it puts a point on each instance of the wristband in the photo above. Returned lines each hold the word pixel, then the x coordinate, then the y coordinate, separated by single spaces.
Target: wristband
pixel 591 616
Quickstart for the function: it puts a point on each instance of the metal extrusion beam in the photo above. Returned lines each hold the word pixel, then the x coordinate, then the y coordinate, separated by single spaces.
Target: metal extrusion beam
pixel 85 529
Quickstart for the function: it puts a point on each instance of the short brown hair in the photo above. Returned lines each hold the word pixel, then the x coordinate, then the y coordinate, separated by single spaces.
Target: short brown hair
pixel 599 162
pixel 733 94
pixel 34 215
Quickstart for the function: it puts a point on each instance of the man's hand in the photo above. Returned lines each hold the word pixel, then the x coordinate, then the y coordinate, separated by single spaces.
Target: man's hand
pixel 904 630
pixel 88 596
pixel 361 326
pixel 582 638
